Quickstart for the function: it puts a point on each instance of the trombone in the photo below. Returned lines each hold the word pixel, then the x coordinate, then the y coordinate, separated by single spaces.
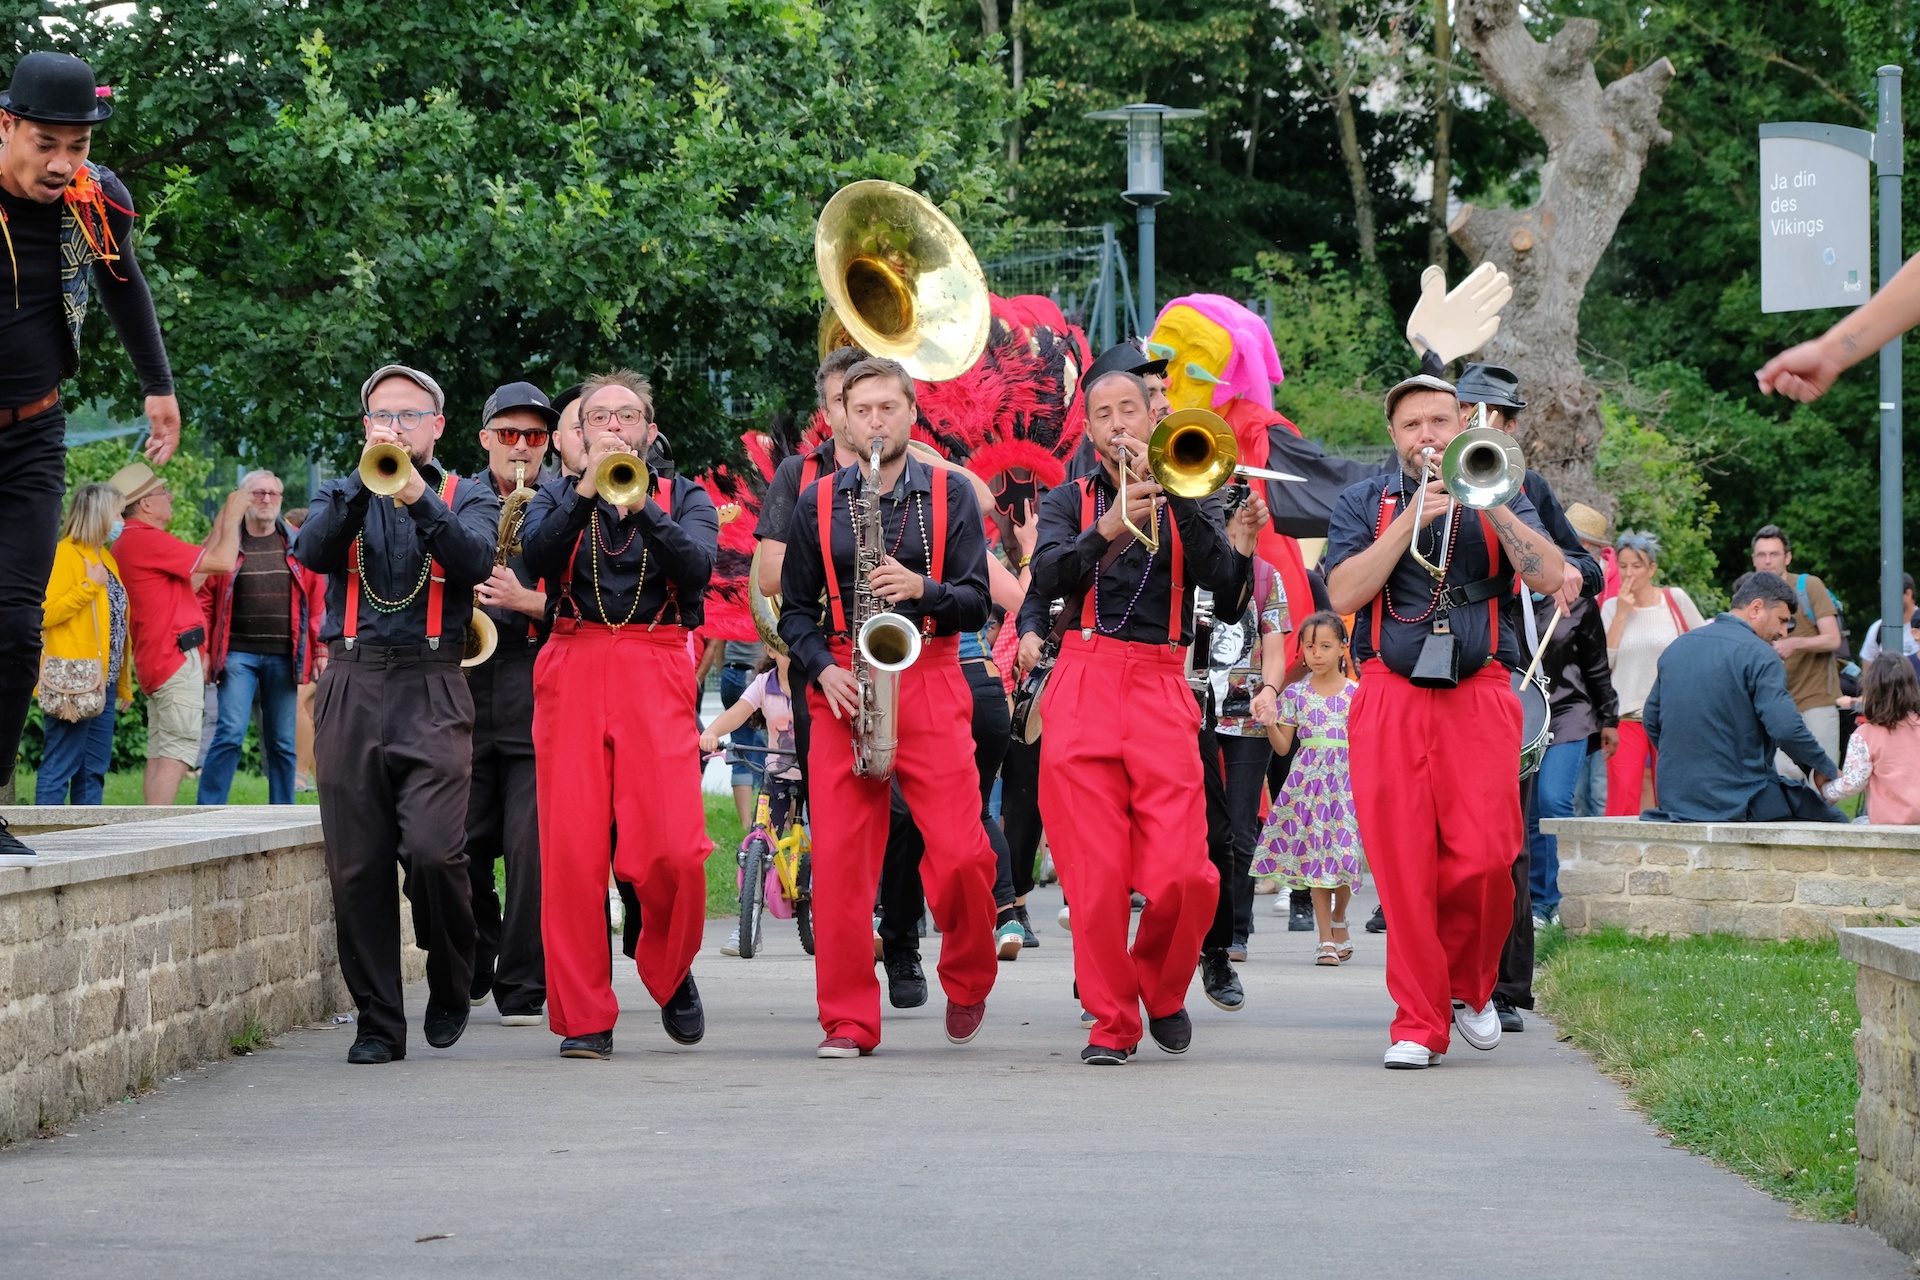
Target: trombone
pixel 1191 454
pixel 1482 468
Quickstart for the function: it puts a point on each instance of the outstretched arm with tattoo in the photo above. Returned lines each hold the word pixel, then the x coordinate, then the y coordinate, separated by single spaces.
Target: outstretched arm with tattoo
pixel 1538 562
pixel 1806 372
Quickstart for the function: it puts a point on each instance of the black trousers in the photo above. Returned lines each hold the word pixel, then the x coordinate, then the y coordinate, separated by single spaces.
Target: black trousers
pixel 393 746
pixel 1220 934
pixel 36 451
pixel 992 731
pixel 503 824
pixel 1245 761
pixel 1020 811
pixel 1515 981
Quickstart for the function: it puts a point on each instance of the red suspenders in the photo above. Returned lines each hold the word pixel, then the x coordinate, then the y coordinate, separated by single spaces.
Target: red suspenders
pixel 1176 602
pixel 665 499
pixel 936 554
pixel 1493 571
pixel 436 583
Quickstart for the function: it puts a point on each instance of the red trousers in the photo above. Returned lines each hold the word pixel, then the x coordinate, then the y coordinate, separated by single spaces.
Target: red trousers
pixel 1124 804
pixel 938 779
pixel 1626 771
pixel 1435 788
pixel 616 740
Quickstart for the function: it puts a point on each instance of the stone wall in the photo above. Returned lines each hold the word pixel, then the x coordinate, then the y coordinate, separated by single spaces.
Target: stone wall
pixel 1764 880
pixel 1886 1122
pixel 146 944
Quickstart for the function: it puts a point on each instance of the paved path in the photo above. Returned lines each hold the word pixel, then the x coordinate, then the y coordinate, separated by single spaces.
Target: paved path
pixel 1277 1147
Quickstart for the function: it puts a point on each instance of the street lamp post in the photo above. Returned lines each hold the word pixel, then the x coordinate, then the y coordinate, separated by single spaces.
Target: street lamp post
pixel 1146 167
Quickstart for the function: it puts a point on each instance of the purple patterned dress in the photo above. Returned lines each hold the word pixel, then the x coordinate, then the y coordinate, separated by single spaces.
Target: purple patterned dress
pixel 1312 838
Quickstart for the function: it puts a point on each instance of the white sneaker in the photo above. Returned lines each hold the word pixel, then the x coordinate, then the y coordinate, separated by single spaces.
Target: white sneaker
pixel 1411 1055
pixel 1065 922
pixel 616 914
pixel 1478 1027
pixel 1283 905
pixel 733 941
pixel 522 1019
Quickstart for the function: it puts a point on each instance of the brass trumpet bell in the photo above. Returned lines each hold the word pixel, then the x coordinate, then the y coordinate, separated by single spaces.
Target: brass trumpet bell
pixel 1482 468
pixel 385 469
pixel 621 478
pixel 482 639
pixel 901 280
pixel 765 609
pixel 1192 453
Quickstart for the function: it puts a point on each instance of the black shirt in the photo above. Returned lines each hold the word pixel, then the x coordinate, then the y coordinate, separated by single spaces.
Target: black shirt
pixel 1065 553
pixel 36 351
pixel 1411 588
pixel 959 601
pixel 398 543
pixel 776 509
pixel 635 558
pixel 520 634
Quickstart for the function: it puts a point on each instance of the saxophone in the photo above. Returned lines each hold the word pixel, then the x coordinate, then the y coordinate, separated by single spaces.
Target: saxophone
pixel 884 642
pixel 482 636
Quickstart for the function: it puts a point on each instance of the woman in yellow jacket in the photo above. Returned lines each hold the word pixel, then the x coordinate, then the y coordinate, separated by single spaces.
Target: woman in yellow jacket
pixel 86 618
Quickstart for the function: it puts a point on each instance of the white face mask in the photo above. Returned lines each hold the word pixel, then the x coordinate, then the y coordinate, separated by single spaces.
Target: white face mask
pixel 117 528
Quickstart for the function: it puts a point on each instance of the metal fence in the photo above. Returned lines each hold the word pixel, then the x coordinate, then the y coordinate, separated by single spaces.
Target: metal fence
pixel 1080 268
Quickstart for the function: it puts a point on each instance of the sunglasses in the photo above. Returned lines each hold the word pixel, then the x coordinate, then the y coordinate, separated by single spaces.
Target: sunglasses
pixel 510 436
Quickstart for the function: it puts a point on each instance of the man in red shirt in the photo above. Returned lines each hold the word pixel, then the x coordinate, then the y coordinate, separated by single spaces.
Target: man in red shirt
pixel 162 575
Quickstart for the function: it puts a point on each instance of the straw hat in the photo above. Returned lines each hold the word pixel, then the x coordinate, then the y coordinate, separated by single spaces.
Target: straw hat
pixel 1590 524
pixel 135 481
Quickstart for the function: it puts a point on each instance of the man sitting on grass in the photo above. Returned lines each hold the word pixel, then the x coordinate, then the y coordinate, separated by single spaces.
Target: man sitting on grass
pixel 1720 708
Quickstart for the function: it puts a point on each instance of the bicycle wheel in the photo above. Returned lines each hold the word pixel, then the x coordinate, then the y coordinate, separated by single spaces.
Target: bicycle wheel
pixel 803 904
pixel 752 878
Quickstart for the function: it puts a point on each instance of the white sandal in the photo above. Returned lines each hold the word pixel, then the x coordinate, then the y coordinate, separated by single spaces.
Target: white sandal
pixel 1343 949
pixel 1328 955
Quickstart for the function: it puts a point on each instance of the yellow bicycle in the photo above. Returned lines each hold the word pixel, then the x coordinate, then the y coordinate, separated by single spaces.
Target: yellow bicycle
pixel 776 857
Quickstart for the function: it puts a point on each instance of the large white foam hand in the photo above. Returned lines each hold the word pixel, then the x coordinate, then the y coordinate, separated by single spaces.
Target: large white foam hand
pixel 1458 323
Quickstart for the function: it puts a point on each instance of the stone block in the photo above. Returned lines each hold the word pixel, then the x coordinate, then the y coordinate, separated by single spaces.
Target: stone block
pixel 1873 992
pixel 1609 853
pixel 1648 882
pixel 1744 918
pixel 1728 857
pixel 1666 855
pixel 1666 916
pixel 1897 864
pixel 1722 886
pixel 1827 891
pixel 1771 886
pixel 1582 878
pixel 1607 913
pixel 1850 862
pixel 1797 858
pixel 1808 922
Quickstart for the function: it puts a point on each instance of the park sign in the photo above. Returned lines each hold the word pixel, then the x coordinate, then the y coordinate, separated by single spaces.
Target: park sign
pixel 1814 188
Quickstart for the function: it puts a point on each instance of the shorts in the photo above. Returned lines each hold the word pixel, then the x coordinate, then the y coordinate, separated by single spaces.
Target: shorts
pixel 174 712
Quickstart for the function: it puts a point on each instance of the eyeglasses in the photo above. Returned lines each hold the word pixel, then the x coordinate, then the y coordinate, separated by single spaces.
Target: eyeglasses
pixel 405 420
pixel 536 438
pixel 264 493
pixel 627 417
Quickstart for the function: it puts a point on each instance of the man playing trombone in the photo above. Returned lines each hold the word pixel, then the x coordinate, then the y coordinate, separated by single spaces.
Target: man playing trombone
pixel 615 719
pixel 1121 789
pixel 1435 728
pixel 929 576
pixel 392 717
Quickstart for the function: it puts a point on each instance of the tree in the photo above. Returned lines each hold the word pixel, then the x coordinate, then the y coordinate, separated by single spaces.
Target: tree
pixel 1597 142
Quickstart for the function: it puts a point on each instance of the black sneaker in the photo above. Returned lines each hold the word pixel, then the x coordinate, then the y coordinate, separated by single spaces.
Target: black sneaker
pixel 1300 916
pixel 1028 937
pixel 1220 982
pixel 1173 1033
pixel 445 1025
pixel 482 989
pixel 684 1017
pixel 598 1045
pixel 12 852
pixel 368 1051
pixel 1100 1055
pixel 1377 922
pixel 906 983
pixel 1510 1019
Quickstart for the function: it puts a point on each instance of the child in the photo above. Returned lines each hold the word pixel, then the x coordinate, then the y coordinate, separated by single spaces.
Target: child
pixel 1883 756
pixel 1312 838
pixel 767 695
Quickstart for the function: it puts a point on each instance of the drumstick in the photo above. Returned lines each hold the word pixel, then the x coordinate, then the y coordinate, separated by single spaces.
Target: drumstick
pixel 1559 612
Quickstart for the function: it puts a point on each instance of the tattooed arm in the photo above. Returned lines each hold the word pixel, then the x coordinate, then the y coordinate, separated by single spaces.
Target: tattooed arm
pixel 1806 371
pixel 1535 558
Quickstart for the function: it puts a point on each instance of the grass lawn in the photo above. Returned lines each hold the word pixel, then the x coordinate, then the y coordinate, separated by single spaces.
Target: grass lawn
pixel 1741 1050
pixel 723 826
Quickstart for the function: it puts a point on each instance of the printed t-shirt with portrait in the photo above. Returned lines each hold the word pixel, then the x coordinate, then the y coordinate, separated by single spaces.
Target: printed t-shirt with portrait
pixel 1233 656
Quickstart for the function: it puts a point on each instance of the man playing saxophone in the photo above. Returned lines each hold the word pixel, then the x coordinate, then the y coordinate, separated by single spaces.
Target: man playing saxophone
pixel 503 817
pixel 894 536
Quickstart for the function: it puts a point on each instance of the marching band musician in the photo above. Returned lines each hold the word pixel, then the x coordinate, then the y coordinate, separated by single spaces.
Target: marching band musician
pixel 393 718
pixel 935 575
pixel 1121 788
pixel 1435 728
pixel 503 816
pixel 615 725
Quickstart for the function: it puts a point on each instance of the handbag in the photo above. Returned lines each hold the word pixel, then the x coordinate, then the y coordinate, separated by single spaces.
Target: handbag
pixel 74 689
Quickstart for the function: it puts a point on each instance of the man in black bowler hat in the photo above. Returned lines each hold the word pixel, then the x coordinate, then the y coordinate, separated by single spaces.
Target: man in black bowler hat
pixel 393 717
pixel 67 225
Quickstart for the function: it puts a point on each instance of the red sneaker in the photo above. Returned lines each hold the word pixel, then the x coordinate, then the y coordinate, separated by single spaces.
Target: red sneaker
pixel 963 1020
pixel 840 1047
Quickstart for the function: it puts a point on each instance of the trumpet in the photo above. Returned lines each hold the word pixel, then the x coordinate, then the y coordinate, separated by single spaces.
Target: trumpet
pixel 622 479
pixel 385 469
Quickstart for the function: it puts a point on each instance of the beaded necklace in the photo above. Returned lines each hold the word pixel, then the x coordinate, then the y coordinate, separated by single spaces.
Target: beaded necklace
pixel 366 584
pixel 1387 494
pixel 594 553
pixel 1099 510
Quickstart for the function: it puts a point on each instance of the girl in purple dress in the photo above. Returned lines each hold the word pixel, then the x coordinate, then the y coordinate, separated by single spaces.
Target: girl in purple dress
pixel 1312 838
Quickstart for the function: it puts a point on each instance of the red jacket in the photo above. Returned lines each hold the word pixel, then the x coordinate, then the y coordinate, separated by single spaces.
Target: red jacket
pixel 305 610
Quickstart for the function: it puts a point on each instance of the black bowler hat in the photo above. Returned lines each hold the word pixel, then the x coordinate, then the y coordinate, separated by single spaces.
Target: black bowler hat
pixel 519 397
pixel 55 88
pixel 1123 357
pixel 1489 384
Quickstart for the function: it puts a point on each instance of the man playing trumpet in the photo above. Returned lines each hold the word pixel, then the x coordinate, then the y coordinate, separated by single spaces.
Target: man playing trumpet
pixel 392 718
pixel 615 720
pixel 934 575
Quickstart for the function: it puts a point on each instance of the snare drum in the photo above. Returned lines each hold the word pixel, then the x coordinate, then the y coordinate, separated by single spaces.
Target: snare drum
pixel 1535 717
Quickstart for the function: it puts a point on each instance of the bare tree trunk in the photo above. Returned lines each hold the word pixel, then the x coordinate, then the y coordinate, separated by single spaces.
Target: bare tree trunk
pixel 1336 79
pixel 1019 78
pixel 1442 134
pixel 989 18
pixel 1597 143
